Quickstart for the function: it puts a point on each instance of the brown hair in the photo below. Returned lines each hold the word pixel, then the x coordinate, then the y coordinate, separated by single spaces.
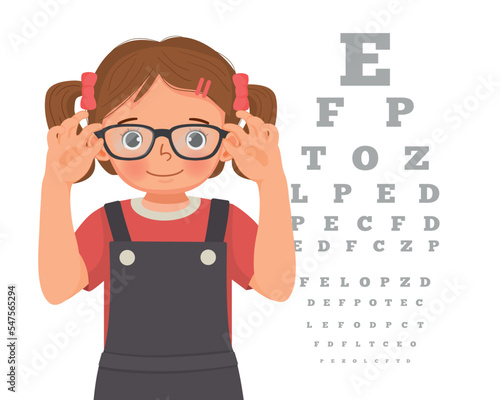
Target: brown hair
pixel 179 61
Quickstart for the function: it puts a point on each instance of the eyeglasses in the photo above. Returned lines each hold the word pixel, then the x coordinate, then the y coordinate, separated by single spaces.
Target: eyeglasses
pixel 190 141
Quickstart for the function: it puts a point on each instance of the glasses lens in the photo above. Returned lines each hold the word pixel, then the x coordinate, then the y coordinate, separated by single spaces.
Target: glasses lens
pixel 128 141
pixel 195 141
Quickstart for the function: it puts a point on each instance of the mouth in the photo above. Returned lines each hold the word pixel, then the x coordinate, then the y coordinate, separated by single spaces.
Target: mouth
pixel 164 176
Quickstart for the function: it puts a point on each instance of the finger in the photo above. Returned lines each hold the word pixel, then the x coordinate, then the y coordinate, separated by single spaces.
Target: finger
pixel 53 135
pixel 88 152
pixel 272 132
pixel 96 147
pixel 253 122
pixel 243 114
pixel 238 131
pixel 91 140
pixel 71 123
pixel 89 130
pixel 263 135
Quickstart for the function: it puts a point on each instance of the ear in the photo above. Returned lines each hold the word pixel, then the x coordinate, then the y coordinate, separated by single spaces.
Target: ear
pixel 225 156
pixel 102 155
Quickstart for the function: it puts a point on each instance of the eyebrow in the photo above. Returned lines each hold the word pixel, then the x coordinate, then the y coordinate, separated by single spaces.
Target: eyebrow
pixel 126 120
pixel 199 120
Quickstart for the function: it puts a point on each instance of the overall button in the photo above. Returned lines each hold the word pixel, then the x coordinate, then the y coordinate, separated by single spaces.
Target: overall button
pixel 208 257
pixel 127 257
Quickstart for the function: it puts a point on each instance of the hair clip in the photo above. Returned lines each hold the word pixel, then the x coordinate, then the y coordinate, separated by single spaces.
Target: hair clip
pixel 88 100
pixel 241 88
pixel 207 86
pixel 198 88
pixel 205 90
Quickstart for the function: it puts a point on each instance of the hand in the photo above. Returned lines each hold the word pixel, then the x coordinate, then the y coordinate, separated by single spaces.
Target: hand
pixel 70 155
pixel 257 154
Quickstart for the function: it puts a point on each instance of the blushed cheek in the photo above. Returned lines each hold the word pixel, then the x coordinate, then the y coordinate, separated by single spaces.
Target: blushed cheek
pixel 199 170
pixel 132 171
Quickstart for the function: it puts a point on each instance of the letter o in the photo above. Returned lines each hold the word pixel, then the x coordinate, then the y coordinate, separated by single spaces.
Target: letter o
pixel 372 158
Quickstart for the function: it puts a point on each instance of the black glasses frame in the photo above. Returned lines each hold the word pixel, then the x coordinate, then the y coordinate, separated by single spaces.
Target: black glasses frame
pixel 161 133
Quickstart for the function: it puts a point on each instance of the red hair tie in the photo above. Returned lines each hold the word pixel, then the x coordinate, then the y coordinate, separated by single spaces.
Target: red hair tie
pixel 241 85
pixel 88 81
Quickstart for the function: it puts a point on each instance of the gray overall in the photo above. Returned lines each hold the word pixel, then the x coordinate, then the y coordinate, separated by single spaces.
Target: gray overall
pixel 168 334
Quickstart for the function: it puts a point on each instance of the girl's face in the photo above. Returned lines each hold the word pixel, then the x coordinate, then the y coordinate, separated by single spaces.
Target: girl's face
pixel 162 171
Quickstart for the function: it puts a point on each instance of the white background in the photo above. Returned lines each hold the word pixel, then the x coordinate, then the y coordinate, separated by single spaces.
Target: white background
pixel 441 52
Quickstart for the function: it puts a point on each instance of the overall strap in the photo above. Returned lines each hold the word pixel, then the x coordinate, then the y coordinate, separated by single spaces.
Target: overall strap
pixel 217 220
pixel 116 221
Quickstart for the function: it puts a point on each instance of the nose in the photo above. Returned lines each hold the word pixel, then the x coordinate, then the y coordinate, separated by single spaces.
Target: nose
pixel 165 150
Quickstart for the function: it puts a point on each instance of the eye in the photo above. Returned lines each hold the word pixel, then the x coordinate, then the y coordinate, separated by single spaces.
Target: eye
pixel 196 140
pixel 132 140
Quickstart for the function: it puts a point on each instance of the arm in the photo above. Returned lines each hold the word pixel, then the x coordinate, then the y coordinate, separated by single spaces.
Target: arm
pixel 258 157
pixel 62 271
pixel 274 257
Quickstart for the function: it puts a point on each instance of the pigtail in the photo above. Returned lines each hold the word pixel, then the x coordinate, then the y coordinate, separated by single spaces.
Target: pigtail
pixel 60 105
pixel 60 101
pixel 263 104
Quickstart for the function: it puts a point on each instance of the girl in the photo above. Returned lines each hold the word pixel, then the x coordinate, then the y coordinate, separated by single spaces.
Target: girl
pixel 163 117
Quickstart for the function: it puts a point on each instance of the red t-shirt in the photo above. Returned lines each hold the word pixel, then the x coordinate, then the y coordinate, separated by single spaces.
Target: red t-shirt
pixel 93 237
